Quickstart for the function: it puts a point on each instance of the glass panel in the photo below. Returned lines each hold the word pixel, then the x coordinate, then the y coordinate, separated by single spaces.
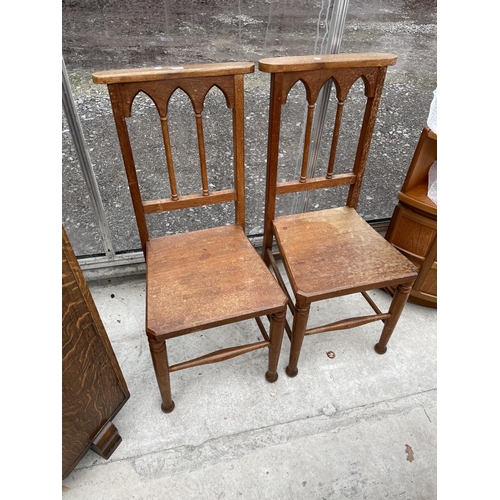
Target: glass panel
pixel 101 35
pixel 77 214
pixel 409 30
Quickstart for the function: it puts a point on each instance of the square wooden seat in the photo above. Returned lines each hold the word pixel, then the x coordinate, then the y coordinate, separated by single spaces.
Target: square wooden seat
pixel 335 252
pixel 208 277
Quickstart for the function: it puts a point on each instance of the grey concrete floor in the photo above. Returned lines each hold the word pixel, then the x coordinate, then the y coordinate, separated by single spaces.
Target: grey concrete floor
pixel 358 425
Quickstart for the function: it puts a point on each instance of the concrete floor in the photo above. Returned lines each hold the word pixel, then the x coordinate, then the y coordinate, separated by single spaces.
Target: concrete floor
pixel 358 426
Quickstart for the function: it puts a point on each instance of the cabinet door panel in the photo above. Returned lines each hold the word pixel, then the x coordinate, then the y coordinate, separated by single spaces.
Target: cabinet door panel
pixel 93 387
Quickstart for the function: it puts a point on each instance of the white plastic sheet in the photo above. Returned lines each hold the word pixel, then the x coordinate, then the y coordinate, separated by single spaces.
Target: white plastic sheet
pixel 432 124
pixel 432 121
pixel 432 191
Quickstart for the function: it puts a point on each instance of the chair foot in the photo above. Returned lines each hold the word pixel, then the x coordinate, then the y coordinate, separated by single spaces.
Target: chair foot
pixel 271 378
pixel 298 331
pixel 169 408
pixel 400 297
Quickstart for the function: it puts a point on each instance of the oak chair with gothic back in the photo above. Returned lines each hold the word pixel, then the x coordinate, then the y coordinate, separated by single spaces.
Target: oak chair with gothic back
pixel 203 278
pixel 333 252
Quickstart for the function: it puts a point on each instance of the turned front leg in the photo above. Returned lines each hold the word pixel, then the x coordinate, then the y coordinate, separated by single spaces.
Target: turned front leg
pixel 298 331
pixel 398 302
pixel 276 337
pixel 158 350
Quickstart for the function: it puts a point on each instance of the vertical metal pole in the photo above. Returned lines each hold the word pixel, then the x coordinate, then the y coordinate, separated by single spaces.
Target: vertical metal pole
pixel 76 130
pixel 337 24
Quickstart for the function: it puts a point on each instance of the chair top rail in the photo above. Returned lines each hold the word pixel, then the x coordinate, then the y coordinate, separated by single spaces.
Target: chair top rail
pixel 172 72
pixel 326 61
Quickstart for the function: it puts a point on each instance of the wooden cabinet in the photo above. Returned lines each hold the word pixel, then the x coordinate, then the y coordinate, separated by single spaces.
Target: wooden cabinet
pixel 93 387
pixel 413 226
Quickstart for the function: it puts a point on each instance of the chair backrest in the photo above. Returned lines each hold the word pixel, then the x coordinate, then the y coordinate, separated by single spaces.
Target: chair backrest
pixel 159 84
pixel 314 72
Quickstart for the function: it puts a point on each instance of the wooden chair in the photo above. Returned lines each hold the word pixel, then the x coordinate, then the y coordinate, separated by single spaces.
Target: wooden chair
pixel 333 252
pixel 205 278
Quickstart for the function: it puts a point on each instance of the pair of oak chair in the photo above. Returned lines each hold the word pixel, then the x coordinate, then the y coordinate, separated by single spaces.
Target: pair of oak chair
pixel 211 277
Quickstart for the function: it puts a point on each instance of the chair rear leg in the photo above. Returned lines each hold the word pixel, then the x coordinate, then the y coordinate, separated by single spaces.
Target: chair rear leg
pixel 298 332
pixel 158 350
pixel 276 329
pixel 398 302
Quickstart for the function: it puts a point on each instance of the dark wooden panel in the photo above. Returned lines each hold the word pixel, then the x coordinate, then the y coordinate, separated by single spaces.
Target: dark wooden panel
pixel 93 387
pixel 414 236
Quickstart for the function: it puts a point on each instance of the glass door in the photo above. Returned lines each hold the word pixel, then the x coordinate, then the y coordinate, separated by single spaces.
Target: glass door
pixel 108 34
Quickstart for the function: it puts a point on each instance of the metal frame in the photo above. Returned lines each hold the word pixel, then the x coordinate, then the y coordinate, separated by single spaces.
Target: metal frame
pixel 110 257
pixel 76 130
pixel 337 23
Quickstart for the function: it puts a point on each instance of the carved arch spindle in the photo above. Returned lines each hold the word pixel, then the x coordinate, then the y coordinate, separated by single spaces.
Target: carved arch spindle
pixel 170 161
pixel 345 78
pixel 335 138
pixel 307 142
pixel 312 87
pixel 201 150
pixel 343 81
pixel 312 83
pixel 160 93
pixel 197 90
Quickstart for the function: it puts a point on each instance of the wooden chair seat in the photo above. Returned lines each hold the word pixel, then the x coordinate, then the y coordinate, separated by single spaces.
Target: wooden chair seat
pixel 347 256
pixel 204 279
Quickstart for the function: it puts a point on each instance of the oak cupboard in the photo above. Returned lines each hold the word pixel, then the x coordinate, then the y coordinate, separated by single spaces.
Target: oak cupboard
pixel 413 226
pixel 93 387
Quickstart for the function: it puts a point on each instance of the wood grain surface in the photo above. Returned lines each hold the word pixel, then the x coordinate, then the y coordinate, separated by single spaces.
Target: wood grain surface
pixel 173 71
pixel 204 279
pixel 93 387
pixel 347 255
pixel 326 61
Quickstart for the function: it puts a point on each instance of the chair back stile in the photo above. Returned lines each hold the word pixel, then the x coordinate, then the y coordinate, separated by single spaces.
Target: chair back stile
pixel 195 81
